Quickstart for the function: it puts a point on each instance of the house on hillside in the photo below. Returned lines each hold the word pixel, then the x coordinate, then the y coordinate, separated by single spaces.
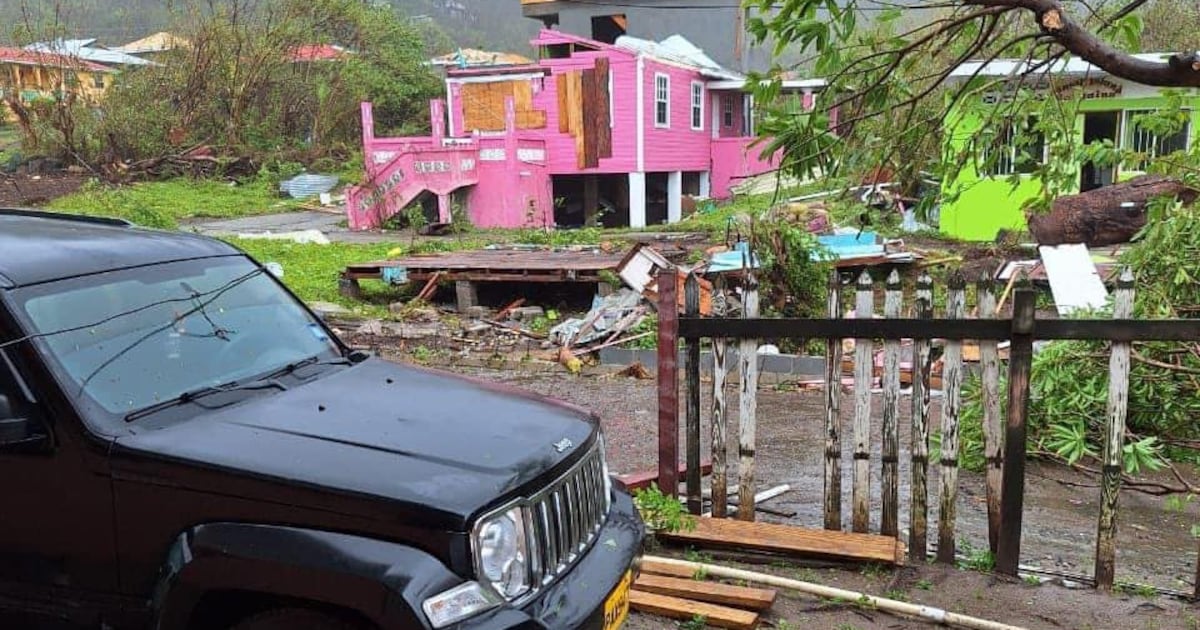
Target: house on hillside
pixel 473 58
pixel 980 204
pixel 156 47
pixel 31 74
pixel 717 26
pixel 616 133
pixel 88 50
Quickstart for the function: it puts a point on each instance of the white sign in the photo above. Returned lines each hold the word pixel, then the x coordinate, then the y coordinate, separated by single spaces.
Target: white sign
pixel 492 155
pixel 531 155
pixel 432 166
pixel 466 165
pixel 383 157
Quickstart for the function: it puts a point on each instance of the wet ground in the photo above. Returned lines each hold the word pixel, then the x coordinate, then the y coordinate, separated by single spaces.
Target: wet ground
pixel 1155 545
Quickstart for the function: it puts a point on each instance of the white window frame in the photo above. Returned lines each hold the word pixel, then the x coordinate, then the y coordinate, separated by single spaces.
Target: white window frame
pixel 662 94
pixel 612 114
pixel 727 104
pixel 697 106
pixel 1128 129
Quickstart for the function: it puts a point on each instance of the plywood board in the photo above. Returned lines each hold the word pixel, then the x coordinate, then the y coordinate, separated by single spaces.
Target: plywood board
pixel 575 113
pixel 743 597
pixel 603 113
pixel 788 540
pixel 1074 280
pixel 483 105
pixel 676 608
pixel 591 123
pixel 655 567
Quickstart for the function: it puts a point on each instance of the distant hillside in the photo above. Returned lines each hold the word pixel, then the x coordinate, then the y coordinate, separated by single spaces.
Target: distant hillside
pixel 488 24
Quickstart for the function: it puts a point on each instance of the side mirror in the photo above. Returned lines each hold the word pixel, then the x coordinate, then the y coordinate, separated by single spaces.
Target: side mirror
pixel 18 432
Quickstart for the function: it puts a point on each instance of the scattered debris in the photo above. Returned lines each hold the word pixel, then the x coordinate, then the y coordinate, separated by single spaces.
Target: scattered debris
pixel 610 316
pixel 307 185
pixel 790 541
pixel 316 237
pixel 1074 281
pixel 636 370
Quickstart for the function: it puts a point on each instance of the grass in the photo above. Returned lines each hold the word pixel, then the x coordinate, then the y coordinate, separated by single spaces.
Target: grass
pixel 312 271
pixel 10 141
pixel 167 203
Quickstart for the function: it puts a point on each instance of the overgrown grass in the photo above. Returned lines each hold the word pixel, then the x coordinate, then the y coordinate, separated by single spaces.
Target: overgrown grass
pixel 312 271
pixel 165 204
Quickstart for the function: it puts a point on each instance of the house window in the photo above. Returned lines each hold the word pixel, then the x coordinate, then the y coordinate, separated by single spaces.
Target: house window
pixel 98 81
pixel 662 100
pixel 1016 148
pixel 697 106
pixel 1141 137
pixel 727 104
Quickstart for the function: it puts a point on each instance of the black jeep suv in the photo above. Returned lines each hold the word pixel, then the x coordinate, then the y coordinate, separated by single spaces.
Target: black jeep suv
pixel 184 445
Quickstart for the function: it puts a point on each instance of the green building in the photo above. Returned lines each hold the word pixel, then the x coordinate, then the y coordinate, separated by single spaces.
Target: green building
pixel 977 205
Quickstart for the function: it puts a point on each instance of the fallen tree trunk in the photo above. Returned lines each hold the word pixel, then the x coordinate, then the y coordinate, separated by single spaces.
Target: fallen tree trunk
pixel 1105 216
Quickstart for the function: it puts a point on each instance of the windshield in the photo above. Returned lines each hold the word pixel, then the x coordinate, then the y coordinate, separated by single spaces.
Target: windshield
pixel 132 338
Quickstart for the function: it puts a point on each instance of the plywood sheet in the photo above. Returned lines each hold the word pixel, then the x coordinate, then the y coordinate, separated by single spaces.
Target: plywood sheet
pixel 483 105
pixel 743 597
pixel 676 608
pixel 1074 280
pixel 788 540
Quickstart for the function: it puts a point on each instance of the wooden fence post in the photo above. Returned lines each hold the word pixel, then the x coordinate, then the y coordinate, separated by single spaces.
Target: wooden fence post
pixel 668 382
pixel 890 521
pixel 864 363
pixel 748 406
pixel 720 471
pixel 952 377
pixel 919 511
pixel 833 406
pixel 993 435
pixel 1012 488
pixel 691 298
pixel 1118 404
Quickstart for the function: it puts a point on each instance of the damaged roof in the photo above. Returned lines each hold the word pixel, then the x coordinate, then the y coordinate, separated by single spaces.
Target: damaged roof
pixel 472 57
pixel 1018 67
pixel 678 49
pixel 84 49
pixel 22 57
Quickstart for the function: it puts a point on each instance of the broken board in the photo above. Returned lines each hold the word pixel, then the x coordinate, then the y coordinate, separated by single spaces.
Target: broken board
pixel 791 541
pixel 1074 280
pixel 743 597
pixel 677 608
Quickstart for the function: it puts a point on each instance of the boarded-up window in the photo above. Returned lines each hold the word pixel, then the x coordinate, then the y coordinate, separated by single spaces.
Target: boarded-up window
pixel 483 105
pixel 585 112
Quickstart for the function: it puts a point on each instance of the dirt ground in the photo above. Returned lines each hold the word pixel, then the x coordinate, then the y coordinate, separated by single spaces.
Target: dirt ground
pixel 1154 544
pixel 20 190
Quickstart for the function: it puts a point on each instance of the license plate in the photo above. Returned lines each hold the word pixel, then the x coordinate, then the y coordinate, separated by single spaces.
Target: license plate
pixel 616 607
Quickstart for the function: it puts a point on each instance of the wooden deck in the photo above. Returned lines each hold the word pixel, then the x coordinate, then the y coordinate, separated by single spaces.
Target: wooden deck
pixel 497 266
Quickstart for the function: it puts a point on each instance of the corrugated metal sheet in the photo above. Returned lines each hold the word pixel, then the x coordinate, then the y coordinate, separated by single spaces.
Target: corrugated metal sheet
pixel 307 185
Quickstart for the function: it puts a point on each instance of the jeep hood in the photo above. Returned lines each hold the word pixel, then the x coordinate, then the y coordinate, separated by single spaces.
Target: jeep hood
pixel 439 447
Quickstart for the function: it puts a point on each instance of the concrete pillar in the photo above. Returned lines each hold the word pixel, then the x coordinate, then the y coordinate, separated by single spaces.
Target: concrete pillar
pixel 674 197
pixel 637 200
pixel 466 295
pixel 443 208
pixel 705 184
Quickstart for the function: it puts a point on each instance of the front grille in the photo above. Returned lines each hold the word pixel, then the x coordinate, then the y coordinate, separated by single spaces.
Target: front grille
pixel 565 517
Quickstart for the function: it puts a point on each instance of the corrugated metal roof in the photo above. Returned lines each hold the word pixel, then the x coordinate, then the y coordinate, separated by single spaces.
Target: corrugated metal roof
pixel 1017 67
pixel 24 57
pixel 678 49
pixel 83 49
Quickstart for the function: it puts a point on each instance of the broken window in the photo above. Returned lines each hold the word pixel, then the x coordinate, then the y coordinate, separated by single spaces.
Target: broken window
pixel 607 28
pixel 697 105
pixel 1153 135
pixel 1016 148
pixel 662 100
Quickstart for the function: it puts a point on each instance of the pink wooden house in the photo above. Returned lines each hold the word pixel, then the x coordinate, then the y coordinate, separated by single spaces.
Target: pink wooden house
pixel 591 133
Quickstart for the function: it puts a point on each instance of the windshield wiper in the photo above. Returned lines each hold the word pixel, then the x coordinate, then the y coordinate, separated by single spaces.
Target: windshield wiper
pixel 266 381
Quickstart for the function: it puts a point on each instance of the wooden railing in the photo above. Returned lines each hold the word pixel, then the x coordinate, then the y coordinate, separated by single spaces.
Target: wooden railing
pixel 1004 438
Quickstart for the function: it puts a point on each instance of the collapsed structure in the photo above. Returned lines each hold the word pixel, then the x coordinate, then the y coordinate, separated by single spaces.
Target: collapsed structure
pixel 592 133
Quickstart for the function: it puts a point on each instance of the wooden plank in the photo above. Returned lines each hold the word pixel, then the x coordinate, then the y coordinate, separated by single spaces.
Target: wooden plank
pixel 1012 487
pixel 789 540
pixel 919 438
pixel 1000 329
pixel 691 290
pixel 604 147
pixel 562 82
pixel 747 404
pixel 676 608
pixel 575 113
pixel 833 406
pixel 993 434
pixel 720 475
pixel 1074 280
pixel 655 567
pixel 668 384
pixel 589 97
pixel 1118 405
pixel 642 479
pixel 863 378
pixel 952 376
pixel 743 597
pixel 889 524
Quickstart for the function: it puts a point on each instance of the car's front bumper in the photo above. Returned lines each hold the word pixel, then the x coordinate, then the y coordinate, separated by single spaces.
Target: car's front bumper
pixel 576 600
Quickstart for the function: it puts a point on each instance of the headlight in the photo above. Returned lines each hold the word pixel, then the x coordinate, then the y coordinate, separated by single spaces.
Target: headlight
pixel 502 558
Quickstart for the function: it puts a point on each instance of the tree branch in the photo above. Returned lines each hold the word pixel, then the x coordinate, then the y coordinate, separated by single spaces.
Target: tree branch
pixel 1179 70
